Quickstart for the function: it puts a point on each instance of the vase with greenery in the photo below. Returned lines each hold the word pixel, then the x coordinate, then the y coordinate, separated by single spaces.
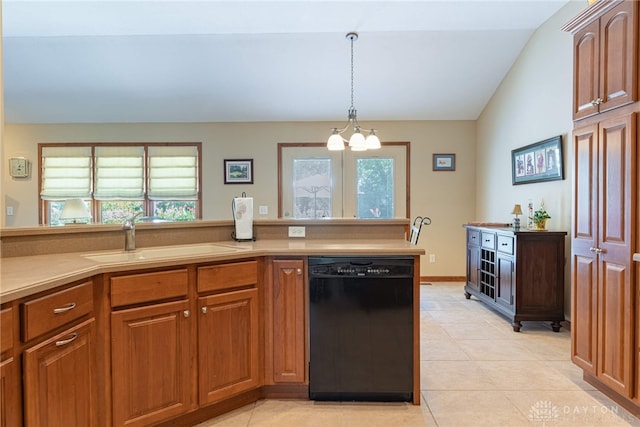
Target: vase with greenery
pixel 540 218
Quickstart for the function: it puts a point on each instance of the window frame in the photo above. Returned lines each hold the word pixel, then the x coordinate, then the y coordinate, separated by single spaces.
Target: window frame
pixel 147 203
pixel 284 145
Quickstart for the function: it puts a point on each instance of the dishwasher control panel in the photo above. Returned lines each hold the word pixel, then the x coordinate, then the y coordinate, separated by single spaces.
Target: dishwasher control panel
pixel 360 267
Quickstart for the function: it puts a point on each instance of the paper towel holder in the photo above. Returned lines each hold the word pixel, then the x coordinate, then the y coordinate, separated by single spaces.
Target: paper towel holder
pixel 242 220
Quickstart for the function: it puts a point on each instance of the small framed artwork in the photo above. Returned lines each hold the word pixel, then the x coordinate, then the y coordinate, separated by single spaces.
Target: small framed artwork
pixel 541 161
pixel 444 162
pixel 238 171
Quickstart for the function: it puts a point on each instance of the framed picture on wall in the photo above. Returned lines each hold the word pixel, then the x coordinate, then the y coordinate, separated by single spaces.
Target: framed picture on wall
pixel 238 171
pixel 541 161
pixel 444 162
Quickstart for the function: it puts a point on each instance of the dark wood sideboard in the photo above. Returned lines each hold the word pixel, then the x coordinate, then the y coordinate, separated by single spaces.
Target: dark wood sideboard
pixel 518 273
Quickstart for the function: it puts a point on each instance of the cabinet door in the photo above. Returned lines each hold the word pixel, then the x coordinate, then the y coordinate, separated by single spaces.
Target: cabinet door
pixel 473 267
pixel 10 409
pixel 228 344
pixel 586 68
pixel 617 190
pixel 60 379
pixel 584 231
pixel 606 62
pixel 618 60
pixel 150 356
pixel 288 327
pixel 506 281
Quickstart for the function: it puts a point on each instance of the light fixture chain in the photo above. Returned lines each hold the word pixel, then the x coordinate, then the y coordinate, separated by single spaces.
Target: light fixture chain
pixel 352 96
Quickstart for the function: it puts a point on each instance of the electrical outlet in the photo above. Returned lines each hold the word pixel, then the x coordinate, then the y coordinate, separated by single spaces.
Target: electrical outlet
pixel 432 258
pixel 9 210
pixel 263 210
pixel 296 231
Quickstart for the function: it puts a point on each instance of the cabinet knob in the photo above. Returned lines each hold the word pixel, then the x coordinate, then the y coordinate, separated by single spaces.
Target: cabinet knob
pixel 204 310
pixel 67 341
pixel 60 310
pixel 186 313
pixel 596 102
pixel 299 271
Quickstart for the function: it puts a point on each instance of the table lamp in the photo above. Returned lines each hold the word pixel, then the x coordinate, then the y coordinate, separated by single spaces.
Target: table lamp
pixel 74 210
pixel 517 210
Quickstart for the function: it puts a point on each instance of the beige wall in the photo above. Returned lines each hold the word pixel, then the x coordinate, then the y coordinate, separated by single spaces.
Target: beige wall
pixel 446 197
pixel 534 102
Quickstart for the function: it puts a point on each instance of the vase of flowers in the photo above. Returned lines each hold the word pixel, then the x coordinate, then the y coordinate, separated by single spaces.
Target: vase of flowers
pixel 540 218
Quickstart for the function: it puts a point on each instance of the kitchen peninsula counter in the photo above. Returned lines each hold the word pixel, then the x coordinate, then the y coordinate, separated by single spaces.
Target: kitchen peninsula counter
pixel 27 275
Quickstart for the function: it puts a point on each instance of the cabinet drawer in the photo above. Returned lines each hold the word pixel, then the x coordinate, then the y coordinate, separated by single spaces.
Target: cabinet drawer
pixel 6 329
pixel 44 314
pixel 489 240
pixel 217 277
pixel 505 244
pixel 473 237
pixel 147 287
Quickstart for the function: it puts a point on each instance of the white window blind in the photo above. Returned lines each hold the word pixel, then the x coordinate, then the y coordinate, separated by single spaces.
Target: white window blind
pixel 66 172
pixel 173 172
pixel 119 173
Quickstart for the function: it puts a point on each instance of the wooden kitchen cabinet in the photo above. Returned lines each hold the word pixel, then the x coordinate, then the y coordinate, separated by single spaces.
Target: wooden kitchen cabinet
pixel 603 303
pixel 151 347
pixel 151 363
pixel 228 345
pixel 60 383
pixel 10 391
pixel 10 413
pixel 286 338
pixel 605 316
pixel 520 273
pixel 605 59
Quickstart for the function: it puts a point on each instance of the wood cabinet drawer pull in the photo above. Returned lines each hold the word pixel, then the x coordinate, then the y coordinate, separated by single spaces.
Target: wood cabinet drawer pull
pixel 204 310
pixel 186 313
pixel 67 341
pixel 60 310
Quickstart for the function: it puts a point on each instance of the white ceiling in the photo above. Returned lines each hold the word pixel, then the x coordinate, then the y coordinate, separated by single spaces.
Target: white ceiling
pixel 211 61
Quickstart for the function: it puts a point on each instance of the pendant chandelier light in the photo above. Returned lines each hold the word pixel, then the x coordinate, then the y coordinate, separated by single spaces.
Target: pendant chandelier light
pixel 357 142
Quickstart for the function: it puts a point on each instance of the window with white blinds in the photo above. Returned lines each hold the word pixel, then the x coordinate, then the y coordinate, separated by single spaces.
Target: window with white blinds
pixel 173 172
pixel 66 173
pixel 119 173
pixel 155 179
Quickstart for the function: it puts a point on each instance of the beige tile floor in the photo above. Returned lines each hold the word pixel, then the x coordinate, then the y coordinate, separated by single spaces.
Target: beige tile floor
pixel 475 371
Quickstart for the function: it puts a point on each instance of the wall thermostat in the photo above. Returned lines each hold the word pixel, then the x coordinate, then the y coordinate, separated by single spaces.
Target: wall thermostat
pixel 19 167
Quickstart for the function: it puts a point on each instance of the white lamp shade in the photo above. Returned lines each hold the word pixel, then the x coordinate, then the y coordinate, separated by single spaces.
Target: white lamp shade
pixel 74 209
pixel 356 142
pixel 372 142
pixel 335 142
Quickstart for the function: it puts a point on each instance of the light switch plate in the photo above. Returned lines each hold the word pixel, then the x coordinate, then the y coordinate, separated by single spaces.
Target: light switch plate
pixel 263 210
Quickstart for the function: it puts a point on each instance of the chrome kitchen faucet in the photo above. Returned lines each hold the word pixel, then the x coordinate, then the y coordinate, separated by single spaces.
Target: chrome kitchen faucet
pixel 129 227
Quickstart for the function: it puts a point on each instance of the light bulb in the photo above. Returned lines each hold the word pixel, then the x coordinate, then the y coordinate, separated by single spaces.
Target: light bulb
pixel 356 142
pixel 335 142
pixel 372 142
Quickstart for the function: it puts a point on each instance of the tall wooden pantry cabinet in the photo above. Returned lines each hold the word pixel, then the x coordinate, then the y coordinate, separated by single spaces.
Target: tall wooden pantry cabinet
pixel 605 220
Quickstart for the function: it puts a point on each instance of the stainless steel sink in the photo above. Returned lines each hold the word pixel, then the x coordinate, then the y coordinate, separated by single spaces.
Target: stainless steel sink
pixel 166 252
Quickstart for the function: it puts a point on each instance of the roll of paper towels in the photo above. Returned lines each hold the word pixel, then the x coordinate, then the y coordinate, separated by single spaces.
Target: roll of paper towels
pixel 243 217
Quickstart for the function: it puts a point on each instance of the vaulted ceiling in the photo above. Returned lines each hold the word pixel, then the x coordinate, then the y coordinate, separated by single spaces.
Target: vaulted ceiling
pixel 228 61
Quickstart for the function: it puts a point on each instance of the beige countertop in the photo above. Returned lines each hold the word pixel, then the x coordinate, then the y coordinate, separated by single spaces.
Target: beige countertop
pixel 27 275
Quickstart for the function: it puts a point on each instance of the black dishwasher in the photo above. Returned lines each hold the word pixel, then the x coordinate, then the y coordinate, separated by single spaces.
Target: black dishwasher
pixel 361 328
